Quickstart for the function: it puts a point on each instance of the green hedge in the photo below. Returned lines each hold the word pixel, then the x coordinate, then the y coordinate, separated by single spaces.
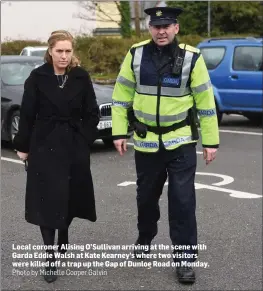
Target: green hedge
pixel 102 56
pixel 14 47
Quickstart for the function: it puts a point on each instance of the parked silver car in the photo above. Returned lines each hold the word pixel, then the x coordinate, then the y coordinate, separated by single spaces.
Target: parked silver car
pixel 37 51
pixel 14 71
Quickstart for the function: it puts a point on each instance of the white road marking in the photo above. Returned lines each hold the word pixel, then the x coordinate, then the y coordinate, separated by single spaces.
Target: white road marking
pixel 238 132
pixel 12 160
pixel 226 180
pixel 233 193
pixel 126 183
pixel 241 132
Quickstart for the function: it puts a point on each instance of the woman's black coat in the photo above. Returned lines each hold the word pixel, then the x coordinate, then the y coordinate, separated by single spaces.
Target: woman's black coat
pixel 57 127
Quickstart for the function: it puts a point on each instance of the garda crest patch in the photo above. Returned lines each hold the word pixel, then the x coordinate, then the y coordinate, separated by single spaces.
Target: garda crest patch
pixel 159 13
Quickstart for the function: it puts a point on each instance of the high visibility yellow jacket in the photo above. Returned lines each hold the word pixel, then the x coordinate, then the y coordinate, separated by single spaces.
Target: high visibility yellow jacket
pixel 162 100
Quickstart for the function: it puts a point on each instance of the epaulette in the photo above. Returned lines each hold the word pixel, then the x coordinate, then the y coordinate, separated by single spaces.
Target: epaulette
pixel 189 48
pixel 142 43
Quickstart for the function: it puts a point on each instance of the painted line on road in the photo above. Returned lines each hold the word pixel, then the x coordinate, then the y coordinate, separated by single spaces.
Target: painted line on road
pixel 225 180
pixel 12 160
pixel 233 193
pixel 241 132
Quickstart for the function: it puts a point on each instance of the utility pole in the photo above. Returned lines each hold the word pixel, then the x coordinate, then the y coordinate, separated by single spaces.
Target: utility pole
pixel 137 18
pixel 209 19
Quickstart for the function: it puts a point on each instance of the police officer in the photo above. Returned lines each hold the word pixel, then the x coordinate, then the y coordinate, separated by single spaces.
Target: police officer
pixel 160 84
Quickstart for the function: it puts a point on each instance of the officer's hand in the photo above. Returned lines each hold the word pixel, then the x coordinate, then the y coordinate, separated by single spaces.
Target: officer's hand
pixel 209 154
pixel 121 145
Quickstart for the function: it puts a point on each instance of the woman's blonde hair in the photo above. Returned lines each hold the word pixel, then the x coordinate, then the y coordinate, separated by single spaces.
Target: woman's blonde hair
pixel 61 35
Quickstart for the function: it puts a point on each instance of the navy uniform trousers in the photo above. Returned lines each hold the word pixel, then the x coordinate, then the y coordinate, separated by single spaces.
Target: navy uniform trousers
pixel 152 171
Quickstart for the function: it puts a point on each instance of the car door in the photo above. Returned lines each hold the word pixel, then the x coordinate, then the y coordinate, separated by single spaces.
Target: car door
pixel 242 86
pixel 4 103
pixel 216 57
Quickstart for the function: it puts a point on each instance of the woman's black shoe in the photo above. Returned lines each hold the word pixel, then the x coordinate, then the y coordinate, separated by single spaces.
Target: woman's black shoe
pixel 50 271
pixel 50 274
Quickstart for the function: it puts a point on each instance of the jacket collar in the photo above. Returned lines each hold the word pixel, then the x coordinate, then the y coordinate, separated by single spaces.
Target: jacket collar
pixel 47 69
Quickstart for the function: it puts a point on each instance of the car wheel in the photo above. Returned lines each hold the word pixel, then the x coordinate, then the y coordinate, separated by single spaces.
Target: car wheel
pixel 13 125
pixel 108 142
pixel 255 118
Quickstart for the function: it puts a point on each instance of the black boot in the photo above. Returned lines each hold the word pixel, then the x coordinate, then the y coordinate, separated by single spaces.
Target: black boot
pixel 142 246
pixel 62 239
pixel 50 271
pixel 185 275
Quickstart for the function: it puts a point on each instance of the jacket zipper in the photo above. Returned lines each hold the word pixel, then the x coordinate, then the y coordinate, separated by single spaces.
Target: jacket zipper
pixel 158 105
pixel 159 101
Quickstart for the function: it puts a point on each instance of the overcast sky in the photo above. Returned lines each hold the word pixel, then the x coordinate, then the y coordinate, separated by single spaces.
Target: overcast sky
pixel 37 19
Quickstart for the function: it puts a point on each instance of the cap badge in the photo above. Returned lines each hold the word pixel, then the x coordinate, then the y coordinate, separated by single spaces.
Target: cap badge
pixel 159 13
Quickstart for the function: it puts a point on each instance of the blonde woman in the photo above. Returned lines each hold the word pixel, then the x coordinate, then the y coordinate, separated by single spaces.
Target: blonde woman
pixel 58 123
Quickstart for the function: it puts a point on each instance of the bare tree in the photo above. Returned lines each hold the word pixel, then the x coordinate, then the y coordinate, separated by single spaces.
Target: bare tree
pixel 137 18
pixel 89 8
pixel 95 11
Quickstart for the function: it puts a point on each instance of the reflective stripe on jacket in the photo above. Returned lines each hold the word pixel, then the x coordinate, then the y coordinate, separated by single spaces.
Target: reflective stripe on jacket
pixel 164 99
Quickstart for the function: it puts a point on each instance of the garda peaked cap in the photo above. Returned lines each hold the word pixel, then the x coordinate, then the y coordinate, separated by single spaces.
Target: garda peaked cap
pixel 163 15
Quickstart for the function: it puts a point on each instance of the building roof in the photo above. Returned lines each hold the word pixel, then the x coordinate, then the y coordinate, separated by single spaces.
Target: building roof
pixel 106 31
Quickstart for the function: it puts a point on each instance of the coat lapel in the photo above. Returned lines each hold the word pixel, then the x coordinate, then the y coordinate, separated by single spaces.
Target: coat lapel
pixel 74 85
pixel 47 83
pixel 49 86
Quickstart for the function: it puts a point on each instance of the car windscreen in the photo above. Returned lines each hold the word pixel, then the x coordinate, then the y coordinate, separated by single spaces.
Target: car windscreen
pixel 38 53
pixel 15 73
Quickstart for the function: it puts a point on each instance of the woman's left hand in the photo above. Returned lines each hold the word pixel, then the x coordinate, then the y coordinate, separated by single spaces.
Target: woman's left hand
pixel 22 156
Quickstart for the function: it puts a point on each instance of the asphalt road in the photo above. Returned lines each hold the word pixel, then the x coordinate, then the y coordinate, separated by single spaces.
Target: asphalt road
pixel 229 214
